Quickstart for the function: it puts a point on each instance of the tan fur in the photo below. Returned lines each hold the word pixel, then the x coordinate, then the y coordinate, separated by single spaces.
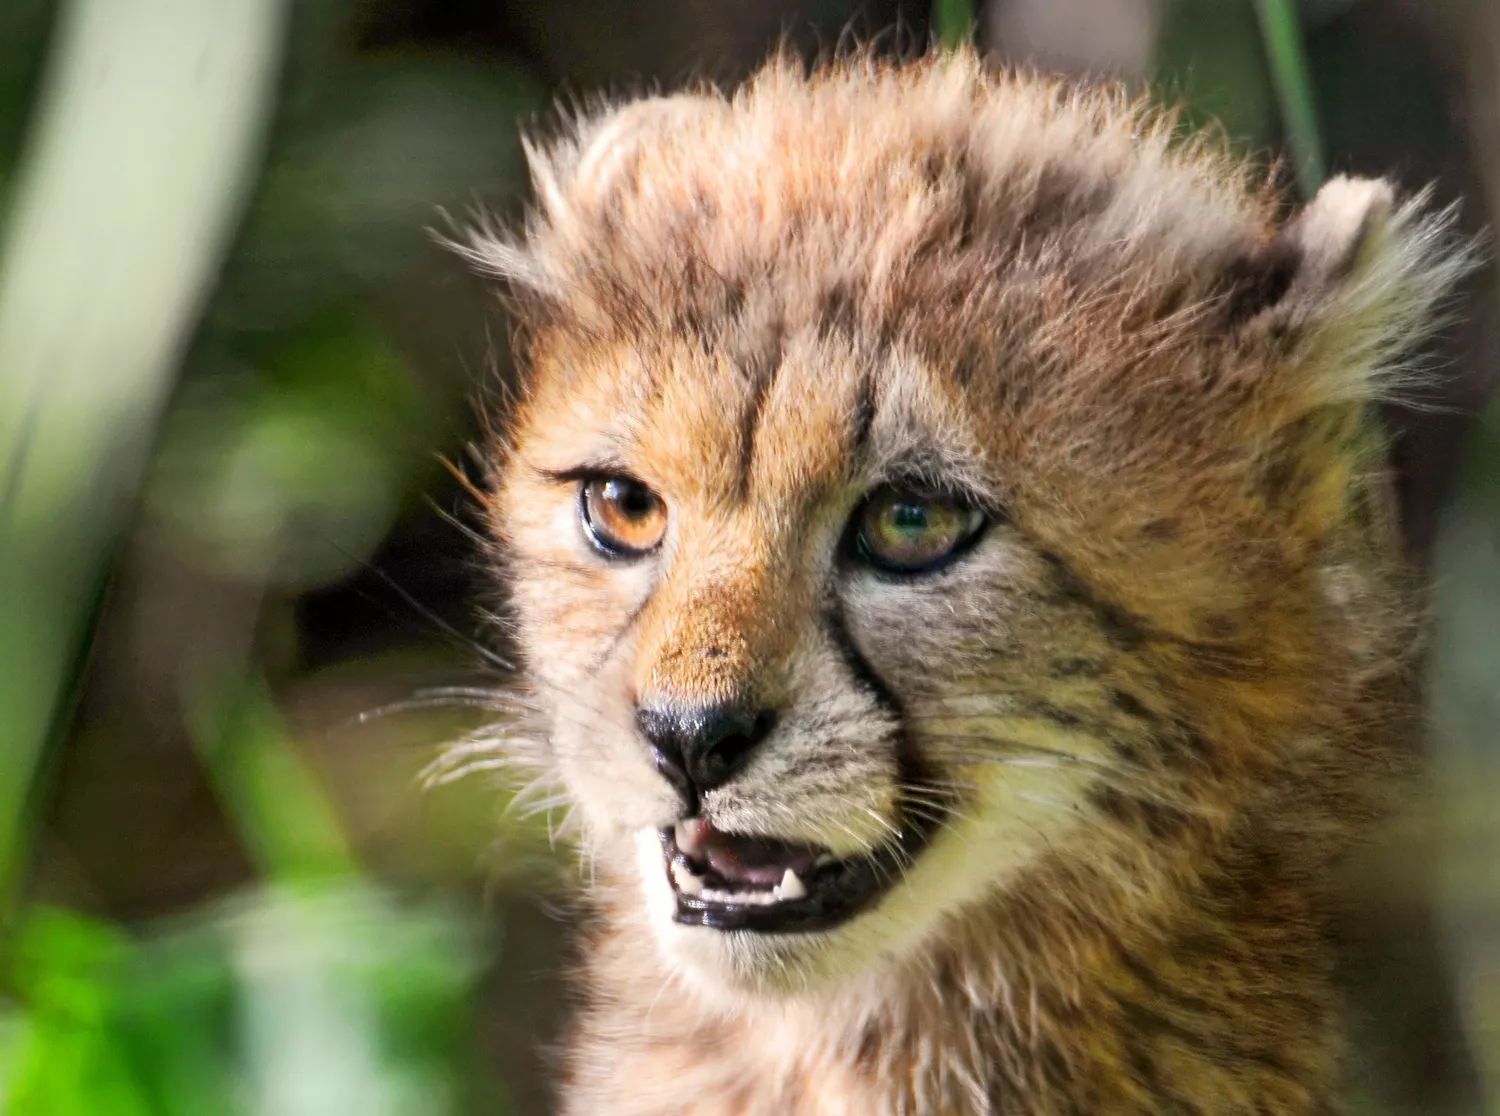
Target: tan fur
pixel 1155 701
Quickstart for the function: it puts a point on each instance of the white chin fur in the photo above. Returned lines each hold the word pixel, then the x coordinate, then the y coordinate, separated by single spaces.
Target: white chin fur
pixel 970 859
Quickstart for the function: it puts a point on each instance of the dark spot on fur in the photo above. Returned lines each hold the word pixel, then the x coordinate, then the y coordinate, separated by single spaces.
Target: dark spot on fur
pixel 838 309
pixel 1160 530
pixel 1169 300
pixel 933 166
pixel 1076 668
pixel 1129 704
pixel 1279 478
pixel 858 666
pixel 1217 625
pixel 1112 803
pixel 735 292
pixel 1259 280
pixel 759 368
pixel 1146 1022
pixel 1164 823
pixel 1145 1069
pixel 864 413
pixel 1187 745
pixel 1055 1068
pixel 1118 628
pixel 1161 822
pixel 1061 200
pixel 1064 718
pixel 1362 507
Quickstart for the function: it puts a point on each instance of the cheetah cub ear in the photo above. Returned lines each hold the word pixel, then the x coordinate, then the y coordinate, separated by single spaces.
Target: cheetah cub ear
pixel 1332 312
pixel 1339 226
pixel 1355 280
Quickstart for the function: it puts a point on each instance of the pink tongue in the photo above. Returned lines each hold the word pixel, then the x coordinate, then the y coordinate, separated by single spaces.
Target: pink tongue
pixel 759 861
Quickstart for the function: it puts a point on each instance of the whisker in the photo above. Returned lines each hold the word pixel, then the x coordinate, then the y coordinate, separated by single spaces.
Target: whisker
pixel 433 779
pixel 511 697
pixel 420 704
pixel 467 643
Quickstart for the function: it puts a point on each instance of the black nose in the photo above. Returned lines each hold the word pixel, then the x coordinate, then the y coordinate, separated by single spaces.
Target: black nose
pixel 698 748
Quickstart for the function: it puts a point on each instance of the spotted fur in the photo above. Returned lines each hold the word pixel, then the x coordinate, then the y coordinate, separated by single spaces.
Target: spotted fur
pixel 1151 706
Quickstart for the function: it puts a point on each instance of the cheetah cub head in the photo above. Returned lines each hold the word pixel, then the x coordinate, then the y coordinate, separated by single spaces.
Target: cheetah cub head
pixel 926 481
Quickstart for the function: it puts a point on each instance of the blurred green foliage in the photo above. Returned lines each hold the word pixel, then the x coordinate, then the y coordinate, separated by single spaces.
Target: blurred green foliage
pixel 299 1003
pixel 293 464
pixel 300 432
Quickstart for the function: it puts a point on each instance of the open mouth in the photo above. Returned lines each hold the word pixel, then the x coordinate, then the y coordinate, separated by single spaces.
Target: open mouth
pixel 727 881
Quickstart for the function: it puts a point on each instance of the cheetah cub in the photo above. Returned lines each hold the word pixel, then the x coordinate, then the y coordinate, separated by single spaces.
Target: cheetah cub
pixel 957 589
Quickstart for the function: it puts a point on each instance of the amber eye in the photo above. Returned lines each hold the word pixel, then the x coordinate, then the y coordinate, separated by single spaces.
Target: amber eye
pixel 907 533
pixel 622 516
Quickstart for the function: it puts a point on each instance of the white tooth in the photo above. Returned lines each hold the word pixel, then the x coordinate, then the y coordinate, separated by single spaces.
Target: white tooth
pixel 740 898
pixel 686 881
pixel 686 836
pixel 790 887
pixel 824 860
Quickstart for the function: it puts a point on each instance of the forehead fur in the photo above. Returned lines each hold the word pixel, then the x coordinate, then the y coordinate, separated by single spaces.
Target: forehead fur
pixel 1051 237
pixel 841 191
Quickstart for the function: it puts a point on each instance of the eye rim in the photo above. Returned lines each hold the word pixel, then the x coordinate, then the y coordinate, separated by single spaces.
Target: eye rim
pixel 601 537
pixel 980 520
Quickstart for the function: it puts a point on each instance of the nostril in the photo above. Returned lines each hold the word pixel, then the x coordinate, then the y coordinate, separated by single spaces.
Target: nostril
pixel 722 761
pixel 724 758
pixel 697 749
pixel 669 765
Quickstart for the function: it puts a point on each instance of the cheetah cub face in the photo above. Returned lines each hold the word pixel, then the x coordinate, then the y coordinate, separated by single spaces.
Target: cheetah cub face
pixel 923 480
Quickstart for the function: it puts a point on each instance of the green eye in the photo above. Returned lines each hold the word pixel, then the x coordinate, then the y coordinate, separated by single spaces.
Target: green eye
pixel 907 533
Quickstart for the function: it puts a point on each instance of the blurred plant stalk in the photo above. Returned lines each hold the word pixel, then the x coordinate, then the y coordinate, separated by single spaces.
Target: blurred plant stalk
pixel 149 125
pixel 1282 33
pixel 953 21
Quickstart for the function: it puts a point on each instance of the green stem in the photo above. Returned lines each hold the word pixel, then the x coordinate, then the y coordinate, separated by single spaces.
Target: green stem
pixel 278 808
pixel 953 21
pixel 1282 34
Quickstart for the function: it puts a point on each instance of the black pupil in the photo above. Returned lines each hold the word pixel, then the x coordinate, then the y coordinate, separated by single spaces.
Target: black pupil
pixel 635 500
pixel 909 517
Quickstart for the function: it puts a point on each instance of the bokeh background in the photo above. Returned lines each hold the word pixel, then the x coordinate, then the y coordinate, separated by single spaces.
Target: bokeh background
pixel 241 603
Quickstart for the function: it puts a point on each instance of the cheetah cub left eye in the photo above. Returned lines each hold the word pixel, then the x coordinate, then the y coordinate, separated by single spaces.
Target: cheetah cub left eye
pixel 904 532
pixel 621 516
